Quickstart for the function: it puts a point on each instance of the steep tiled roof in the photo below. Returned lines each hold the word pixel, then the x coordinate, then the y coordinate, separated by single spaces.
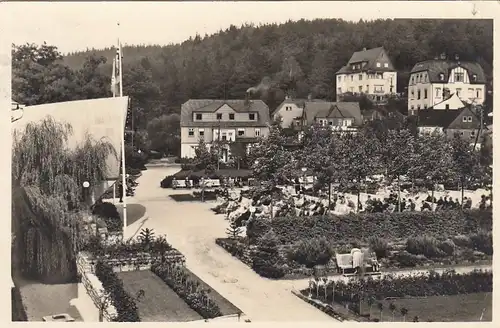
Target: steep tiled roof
pixel 297 101
pixel 325 109
pixel 369 56
pixel 211 105
pixel 441 118
pixel 437 66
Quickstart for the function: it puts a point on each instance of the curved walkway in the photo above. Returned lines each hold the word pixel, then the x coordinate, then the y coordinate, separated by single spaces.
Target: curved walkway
pixel 192 228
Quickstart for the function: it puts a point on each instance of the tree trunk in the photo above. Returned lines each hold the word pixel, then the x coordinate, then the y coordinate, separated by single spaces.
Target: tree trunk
pixel 329 196
pixel 399 195
pixel 463 187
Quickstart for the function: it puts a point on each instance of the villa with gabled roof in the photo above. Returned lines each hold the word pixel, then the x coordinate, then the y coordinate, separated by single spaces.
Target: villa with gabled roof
pixel 235 120
pixel 369 72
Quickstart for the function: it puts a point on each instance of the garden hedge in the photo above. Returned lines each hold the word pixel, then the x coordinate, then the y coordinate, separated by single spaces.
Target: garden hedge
pixel 390 226
pixel 125 305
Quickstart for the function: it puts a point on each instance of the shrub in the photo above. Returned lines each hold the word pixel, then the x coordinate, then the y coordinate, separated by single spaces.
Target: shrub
pixel 256 228
pixel 267 261
pixel 462 241
pixel 406 259
pixel 447 246
pixel 125 305
pixel 167 182
pixel 380 246
pixel 109 213
pixel 316 251
pixel 425 245
pixel 483 242
pixel 233 246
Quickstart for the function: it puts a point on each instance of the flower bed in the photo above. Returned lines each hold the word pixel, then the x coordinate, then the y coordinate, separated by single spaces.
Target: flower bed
pixel 125 305
pixel 354 292
pixel 188 289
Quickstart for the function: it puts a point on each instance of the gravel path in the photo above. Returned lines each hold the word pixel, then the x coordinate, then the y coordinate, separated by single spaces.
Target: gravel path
pixel 192 228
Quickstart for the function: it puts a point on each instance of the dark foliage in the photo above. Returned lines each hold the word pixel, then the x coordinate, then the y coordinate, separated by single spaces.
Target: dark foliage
pixel 109 213
pixel 234 247
pixel 382 225
pixel 483 242
pixel 317 251
pixel 256 228
pixel 125 304
pixel 167 182
pixel 379 246
pixel 267 261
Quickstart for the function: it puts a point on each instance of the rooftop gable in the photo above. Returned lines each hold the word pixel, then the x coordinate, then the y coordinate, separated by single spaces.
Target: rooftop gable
pixel 370 57
pixel 435 67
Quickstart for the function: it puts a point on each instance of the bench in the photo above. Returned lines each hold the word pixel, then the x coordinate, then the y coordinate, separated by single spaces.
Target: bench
pixel 181 184
pixel 211 183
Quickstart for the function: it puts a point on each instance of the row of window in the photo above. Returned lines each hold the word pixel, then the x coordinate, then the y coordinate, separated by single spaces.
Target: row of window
pixel 439 93
pixel 423 77
pixel 359 66
pixel 376 89
pixel 224 135
pixel 360 77
pixel 324 122
pixel 251 116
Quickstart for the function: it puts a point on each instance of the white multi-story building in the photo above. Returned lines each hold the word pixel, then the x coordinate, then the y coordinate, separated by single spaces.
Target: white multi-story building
pixel 243 121
pixel 434 81
pixel 368 72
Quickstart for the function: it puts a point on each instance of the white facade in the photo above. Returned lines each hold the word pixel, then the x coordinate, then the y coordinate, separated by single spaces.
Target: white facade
pixel 288 112
pixel 428 130
pixel 374 84
pixel 422 93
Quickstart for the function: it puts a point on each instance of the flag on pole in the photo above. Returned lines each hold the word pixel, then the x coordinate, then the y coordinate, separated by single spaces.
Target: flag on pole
pixel 116 75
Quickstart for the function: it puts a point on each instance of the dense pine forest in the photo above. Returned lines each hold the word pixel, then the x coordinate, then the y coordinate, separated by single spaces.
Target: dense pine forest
pixel 302 56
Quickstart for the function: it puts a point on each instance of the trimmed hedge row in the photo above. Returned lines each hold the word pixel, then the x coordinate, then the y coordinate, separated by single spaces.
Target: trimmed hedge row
pixel 125 305
pixel 384 225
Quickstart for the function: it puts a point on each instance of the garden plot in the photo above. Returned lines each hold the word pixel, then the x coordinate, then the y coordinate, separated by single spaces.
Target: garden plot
pixel 432 296
pixel 159 303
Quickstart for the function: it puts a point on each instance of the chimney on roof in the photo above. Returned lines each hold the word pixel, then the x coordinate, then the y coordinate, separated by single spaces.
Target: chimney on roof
pixel 247 98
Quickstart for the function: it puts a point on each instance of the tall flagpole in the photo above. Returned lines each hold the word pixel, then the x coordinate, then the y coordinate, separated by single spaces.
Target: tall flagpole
pixel 124 180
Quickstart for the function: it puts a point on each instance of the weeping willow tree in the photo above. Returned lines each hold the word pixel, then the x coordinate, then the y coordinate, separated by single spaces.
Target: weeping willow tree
pixel 48 206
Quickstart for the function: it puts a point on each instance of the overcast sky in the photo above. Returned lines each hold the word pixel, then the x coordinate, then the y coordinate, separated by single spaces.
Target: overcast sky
pixel 75 26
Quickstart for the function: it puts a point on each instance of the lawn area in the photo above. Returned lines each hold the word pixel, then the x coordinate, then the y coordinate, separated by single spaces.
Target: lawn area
pixel 456 308
pixel 159 303
pixel 42 299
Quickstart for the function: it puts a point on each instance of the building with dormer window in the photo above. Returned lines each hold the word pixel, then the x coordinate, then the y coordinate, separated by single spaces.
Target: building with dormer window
pixel 434 81
pixel 369 72
pixel 227 120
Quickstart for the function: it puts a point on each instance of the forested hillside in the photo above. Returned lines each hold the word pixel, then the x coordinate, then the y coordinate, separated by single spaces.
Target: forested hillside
pixel 302 56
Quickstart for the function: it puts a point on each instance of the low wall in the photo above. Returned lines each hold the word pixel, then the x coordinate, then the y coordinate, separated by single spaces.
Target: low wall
pixel 86 262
